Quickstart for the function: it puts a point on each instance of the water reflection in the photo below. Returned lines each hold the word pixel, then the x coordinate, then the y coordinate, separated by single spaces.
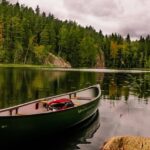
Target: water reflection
pixel 19 85
pixel 124 106
pixel 80 134
pixel 140 85
pixel 120 86
pixel 124 102
pixel 68 140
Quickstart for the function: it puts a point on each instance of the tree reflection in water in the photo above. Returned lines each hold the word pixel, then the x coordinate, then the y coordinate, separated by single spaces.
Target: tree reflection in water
pixel 124 101
pixel 119 86
pixel 140 85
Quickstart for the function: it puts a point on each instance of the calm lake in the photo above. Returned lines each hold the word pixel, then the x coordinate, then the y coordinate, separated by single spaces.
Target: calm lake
pixel 124 107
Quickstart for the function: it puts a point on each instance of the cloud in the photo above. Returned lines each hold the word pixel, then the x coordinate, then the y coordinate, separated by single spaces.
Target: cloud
pixel 112 16
pixel 135 19
pixel 98 13
pixel 135 28
pixel 97 8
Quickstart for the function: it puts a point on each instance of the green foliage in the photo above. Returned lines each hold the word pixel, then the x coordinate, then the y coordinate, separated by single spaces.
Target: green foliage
pixel 40 52
pixel 27 36
pixel 88 52
pixel 18 52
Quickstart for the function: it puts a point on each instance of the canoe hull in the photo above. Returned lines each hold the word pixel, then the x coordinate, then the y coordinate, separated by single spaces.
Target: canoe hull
pixel 48 122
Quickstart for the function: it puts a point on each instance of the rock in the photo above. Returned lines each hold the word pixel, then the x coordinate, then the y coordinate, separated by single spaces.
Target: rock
pixel 57 61
pixel 127 143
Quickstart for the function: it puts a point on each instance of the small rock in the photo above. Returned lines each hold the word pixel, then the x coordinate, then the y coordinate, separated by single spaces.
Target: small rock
pixel 127 143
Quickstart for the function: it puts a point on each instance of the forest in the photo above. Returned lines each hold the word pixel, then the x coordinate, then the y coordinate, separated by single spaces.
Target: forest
pixel 27 36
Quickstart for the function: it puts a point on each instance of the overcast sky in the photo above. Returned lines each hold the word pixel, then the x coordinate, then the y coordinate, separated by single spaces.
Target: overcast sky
pixel 120 16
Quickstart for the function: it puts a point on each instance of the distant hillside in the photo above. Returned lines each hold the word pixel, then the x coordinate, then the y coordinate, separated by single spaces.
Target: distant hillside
pixel 28 36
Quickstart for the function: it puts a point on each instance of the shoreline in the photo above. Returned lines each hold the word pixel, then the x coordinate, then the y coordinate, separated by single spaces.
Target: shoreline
pixel 52 67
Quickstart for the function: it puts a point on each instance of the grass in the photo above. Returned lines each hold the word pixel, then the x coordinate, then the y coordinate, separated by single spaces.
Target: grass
pixel 25 65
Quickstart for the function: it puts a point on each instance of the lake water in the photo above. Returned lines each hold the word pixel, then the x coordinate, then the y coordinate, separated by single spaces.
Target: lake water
pixel 124 107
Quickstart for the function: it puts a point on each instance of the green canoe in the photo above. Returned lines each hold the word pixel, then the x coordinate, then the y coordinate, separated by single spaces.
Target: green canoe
pixel 35 115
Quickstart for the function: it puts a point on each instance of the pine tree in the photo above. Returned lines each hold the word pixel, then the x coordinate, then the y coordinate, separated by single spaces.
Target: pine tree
pixel 37 10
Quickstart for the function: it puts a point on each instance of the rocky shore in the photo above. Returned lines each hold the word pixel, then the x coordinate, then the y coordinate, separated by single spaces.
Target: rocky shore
pixel 127 143
pixel 56 61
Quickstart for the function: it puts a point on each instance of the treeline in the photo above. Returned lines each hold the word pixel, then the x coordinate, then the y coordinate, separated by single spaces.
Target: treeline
pixel 28 36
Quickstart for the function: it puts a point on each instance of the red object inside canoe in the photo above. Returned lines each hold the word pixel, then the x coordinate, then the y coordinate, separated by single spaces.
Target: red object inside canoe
pixel 59 104
pixel 57 101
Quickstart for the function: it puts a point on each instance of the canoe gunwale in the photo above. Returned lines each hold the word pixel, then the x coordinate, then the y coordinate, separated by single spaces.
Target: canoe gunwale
pixel 49 98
